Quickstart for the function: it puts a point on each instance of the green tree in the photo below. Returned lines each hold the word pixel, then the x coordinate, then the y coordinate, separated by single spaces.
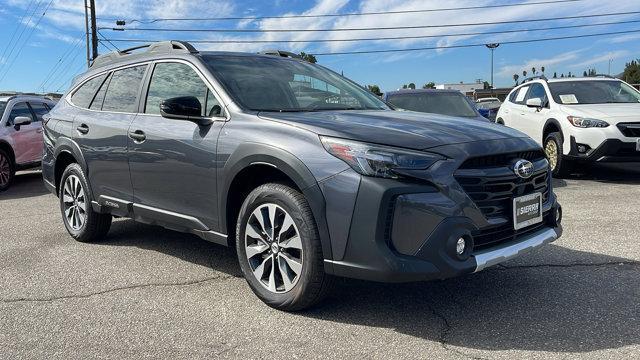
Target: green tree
pixel 555 75
pixel 404 86
pixel 533 71
pixel 524 73
pixel 542 69
pixel 486 85
pixel 308 57
pixel 562 75
pixel 569 75
pixel 584 74
pixel 375 89
pixel 412 86
pixel 429 85
pixel 631 72
pixel 516 77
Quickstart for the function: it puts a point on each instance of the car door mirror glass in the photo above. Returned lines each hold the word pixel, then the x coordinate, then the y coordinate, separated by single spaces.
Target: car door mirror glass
pixel 534 102
pixel 21 120
pixel 183 108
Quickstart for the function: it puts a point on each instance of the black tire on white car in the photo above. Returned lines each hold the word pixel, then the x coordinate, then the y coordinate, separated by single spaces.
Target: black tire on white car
pixel 553 150
pixel 7 170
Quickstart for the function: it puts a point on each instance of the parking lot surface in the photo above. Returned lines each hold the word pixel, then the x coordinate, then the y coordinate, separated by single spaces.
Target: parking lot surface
pixel 146 292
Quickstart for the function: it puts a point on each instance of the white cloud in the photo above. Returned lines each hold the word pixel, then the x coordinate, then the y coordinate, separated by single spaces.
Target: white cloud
pixel 562 58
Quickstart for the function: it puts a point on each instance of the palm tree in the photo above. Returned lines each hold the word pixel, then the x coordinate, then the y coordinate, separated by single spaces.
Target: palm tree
pixel 516 77
pixel 524 73
pixel 542 68
pixel 533 71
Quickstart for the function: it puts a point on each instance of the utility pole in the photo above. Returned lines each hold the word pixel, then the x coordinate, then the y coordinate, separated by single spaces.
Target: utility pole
pixel 609 73
pixel 492 47
pixel 94 34
pixel 86 28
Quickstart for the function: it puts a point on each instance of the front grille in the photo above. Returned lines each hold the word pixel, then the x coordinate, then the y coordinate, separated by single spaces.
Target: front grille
pixel 630 129
pixel 489 237
pixel 498 160
pixel 494 195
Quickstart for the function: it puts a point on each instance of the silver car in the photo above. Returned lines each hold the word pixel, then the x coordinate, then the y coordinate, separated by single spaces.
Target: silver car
pixel 21 141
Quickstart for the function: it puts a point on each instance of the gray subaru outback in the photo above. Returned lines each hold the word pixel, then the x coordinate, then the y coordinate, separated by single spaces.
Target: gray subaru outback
pixel 307 174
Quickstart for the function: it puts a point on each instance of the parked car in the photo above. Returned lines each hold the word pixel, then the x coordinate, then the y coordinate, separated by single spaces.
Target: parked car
pixel 577 120
pixel 488 107
pixel 443 102
pixel 490 101
pixel 20 134
pixel 306 173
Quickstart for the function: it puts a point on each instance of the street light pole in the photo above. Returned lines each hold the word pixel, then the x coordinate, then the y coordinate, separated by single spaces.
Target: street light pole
pixel 610 60
pixel 492 47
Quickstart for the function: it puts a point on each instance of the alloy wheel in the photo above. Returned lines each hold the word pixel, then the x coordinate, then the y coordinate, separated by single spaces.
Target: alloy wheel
pixel 75 202
pixel 274 248
pixel 5 171
pixel 551 150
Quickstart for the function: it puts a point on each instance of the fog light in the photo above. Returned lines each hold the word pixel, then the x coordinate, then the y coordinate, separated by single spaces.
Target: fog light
pixel 461 246
pixel 583 149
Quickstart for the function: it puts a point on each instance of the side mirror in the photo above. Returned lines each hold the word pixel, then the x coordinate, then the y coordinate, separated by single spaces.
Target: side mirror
pixel 21 120
pixel 534 102
pixel 184 108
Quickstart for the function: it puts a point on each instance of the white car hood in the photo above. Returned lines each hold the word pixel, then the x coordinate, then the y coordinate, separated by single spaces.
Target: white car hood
pixel 612 113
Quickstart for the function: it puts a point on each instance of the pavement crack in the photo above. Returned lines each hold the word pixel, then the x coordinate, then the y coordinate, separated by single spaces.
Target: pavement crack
pixel 116 289
pixel 571 265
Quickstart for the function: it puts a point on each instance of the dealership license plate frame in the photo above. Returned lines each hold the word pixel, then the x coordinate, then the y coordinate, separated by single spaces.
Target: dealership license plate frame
pixel 527 198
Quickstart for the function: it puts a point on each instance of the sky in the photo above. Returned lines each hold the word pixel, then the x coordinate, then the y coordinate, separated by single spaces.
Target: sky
pixel 51 50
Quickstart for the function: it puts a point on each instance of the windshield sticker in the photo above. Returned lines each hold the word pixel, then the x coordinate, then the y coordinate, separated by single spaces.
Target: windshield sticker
pixel 522 93
pixel 568 99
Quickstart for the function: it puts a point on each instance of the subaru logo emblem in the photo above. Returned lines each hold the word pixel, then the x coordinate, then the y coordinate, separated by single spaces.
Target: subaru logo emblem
pixel 523 168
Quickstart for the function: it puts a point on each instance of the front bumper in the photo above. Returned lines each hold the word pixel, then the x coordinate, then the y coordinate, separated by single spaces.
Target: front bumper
pixel 610 150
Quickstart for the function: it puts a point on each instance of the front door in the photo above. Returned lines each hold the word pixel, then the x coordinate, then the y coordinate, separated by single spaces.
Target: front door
pixel 26 139
pixel 173 162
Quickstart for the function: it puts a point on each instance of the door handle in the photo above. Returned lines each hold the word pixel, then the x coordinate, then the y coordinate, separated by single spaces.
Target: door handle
pixel 137 136
pixel 83 129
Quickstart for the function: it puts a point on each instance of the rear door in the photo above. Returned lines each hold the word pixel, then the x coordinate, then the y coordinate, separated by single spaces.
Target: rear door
pixel 173 167
pixel 39 110
pixel 515 111
pixel 108 108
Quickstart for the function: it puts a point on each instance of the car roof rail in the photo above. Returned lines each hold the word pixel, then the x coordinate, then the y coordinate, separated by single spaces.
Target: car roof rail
pixel 280 53
pixel 162 47
pixel 541 77
pixel 603 75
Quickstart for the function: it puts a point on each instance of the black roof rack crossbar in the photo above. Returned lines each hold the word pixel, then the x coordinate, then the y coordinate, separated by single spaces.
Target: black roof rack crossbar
pixel 541 77
pixel 280 53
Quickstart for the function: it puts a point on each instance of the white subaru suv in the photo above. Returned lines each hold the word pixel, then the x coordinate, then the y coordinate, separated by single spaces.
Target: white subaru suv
pixel 576 120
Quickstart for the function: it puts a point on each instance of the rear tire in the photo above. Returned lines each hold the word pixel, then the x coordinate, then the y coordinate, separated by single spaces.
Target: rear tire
pixel 7 171
pixel 82 223
pixel 283 264
pixel 560 166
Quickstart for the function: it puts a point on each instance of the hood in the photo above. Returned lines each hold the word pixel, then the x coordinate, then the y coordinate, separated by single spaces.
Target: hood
pixel 612 113
pixel 406 129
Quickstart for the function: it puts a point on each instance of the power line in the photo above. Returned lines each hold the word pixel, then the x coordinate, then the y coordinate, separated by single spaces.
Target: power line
pixel 63 59
pixel 27 39
pixel 150 21
pixel 474 45
pixel 377 28
pixel 25 26
pixel 385 38
pixel 15 30
pixel 107 40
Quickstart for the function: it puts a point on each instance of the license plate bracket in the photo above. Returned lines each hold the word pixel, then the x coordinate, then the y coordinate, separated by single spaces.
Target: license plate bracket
pixel 527 210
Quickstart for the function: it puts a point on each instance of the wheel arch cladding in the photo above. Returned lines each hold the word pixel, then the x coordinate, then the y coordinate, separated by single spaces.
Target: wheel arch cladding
pixel 67 152
pixel 550 126
pixel 263 164
pixel 9 150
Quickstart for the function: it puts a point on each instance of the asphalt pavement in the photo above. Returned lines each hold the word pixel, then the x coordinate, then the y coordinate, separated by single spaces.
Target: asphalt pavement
pixel 146 292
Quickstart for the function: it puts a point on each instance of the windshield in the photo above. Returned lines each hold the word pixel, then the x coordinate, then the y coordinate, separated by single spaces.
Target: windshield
pixel 263 83
pixel 593 92
pixel 3 105
pixel 444 103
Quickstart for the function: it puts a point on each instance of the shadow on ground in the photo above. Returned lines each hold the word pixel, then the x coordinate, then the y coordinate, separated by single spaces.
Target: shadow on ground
pixel 585 302
pixel 25 185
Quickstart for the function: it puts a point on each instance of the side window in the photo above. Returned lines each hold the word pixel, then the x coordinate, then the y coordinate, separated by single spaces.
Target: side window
pixel 171 80
pixel 520 95
pixel 39 109
pixel 537 91
pixel 19 109
pixel 96 104
pixel 83 96
pixel 123 89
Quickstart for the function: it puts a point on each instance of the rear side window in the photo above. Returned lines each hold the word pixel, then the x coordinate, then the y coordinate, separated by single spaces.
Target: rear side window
pixel 171 80
pixel 39 109
pixel 83 96
pixel 123 90
pixel 20 109
pixel 96 104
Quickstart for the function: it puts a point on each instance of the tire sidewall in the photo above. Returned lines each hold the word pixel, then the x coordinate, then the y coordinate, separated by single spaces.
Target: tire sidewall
pixel 557 139
pixel 308 234
pixel 12 171
pixel 75 169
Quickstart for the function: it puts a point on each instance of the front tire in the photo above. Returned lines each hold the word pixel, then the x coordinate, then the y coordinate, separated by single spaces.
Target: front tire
pixel 7 171
pixel 553 150
pixel 82 223
pixel 279 248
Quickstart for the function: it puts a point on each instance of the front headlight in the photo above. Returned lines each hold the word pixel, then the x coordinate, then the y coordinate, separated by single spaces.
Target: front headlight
pixel 378 160
pixel 582 122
